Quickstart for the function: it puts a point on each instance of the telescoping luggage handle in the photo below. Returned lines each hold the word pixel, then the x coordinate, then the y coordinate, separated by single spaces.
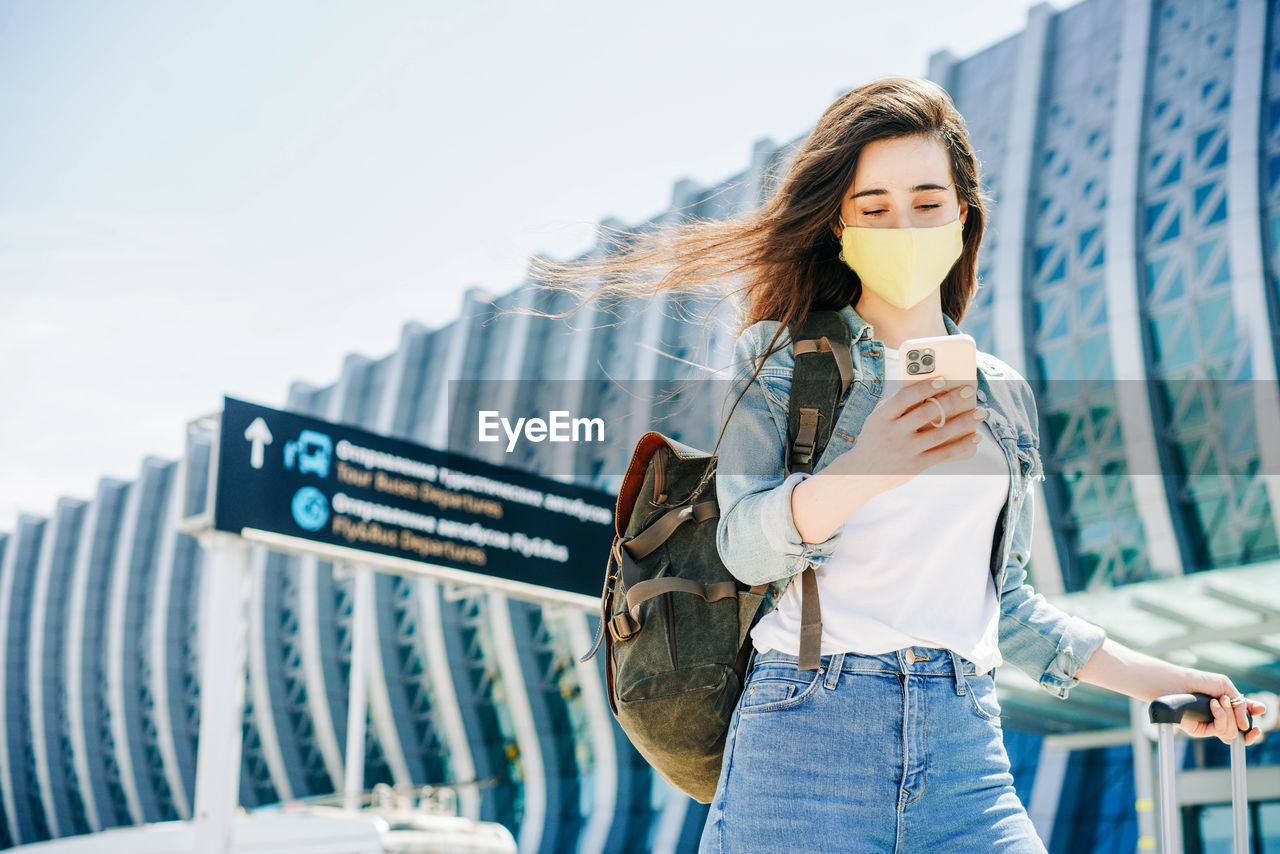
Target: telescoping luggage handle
pixel 1169 711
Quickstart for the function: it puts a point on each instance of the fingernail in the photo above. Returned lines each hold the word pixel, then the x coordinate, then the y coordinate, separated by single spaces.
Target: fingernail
pixel 966 391
pixel 979 414
pixel 939 382
pixel 1215 704
pixel 976 438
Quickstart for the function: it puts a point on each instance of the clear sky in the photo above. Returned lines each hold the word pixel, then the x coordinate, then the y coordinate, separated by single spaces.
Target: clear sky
pixel 199 199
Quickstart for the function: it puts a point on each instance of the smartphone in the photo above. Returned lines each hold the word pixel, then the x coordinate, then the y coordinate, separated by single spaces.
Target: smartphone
pixel 952 356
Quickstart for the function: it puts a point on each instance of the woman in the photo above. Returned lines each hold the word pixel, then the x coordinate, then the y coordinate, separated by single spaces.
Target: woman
pixel 893 743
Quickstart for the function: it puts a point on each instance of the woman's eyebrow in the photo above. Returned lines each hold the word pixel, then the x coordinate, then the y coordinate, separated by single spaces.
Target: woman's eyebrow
pixel 878 191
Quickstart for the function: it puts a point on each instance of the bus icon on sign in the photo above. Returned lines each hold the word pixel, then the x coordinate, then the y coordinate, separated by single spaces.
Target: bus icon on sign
pixel 311 450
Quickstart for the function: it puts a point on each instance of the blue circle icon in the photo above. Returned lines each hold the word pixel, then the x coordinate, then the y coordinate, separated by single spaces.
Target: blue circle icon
pixel 310 508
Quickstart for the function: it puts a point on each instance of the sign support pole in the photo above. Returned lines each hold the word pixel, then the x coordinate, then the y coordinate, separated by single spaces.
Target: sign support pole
pixel 358 687
pixel 222 687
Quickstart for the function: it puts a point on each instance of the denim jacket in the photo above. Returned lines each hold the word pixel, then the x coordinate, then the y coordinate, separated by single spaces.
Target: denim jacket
pixel 757 536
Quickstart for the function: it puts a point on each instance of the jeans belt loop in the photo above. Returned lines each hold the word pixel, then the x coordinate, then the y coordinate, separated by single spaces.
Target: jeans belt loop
pixel 961 681
pixel 834 668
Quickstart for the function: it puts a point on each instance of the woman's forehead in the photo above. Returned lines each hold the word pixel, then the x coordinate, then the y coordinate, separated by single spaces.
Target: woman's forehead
pixel 902 165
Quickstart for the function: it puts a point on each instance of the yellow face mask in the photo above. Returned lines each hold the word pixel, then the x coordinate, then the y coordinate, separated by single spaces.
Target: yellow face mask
pixel 902 265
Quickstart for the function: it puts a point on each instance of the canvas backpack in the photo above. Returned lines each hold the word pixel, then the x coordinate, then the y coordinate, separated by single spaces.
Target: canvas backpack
pixel 675 622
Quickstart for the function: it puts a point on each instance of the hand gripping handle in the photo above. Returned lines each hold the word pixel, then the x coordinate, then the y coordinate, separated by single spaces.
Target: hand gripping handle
pixel 1173 708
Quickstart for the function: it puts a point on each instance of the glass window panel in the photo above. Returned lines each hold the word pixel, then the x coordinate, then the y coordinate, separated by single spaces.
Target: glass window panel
pixel 1101 319
pixel 1268 829
pixel 1041 256
pixel 1273 172
pixel 1088 292
pixel 1171 345
pixel 1153 215
pixel 1156 268
pixel 1219 157
pixel 1201 194
pixel 1202 141
pixel 1211 313
pixel 1214 826
pixel 1203 252
pixel 1086 238
pixel 1219 213
pixel 1223 276
pixel 1059 328
pixel 1194 413
pixel 1093 354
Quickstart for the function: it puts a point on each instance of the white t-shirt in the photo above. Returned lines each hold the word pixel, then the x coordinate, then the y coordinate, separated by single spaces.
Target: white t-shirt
pixel 912 567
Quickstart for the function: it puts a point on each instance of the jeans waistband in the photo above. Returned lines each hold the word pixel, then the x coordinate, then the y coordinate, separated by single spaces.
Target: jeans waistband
pixel 912 660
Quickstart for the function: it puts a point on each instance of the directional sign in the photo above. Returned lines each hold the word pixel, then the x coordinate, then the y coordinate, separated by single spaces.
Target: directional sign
pixel 301 477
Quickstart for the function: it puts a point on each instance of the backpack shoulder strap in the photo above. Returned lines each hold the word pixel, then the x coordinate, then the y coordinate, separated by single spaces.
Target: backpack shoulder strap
pixel 823 372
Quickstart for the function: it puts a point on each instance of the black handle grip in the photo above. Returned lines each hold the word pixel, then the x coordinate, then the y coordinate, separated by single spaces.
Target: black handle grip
pixel 1172 708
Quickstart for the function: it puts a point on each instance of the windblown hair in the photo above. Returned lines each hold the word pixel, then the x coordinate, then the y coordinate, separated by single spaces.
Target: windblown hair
pixel 784 255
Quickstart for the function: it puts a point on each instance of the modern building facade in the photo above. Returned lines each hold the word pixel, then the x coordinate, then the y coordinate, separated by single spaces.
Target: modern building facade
pixel 1132 154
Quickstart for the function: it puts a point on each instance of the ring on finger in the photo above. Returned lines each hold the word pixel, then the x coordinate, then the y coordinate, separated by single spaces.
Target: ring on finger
pixel 941 412
pixel 1238 700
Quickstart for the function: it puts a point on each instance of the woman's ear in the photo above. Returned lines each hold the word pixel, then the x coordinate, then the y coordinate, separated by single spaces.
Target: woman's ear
pixel 964 211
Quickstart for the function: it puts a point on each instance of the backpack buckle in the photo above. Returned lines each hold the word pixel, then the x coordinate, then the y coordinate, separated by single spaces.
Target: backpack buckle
pixel 621 623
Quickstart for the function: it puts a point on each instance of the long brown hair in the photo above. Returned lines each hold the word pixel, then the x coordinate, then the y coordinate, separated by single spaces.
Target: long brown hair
pixel 785 253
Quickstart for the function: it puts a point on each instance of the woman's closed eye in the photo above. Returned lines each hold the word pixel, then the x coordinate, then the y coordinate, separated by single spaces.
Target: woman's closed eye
pixel 918 207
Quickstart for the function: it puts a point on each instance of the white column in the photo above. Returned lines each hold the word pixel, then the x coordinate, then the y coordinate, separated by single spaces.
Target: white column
pixel 1125 328
pixel 77 605
pixel 1046 790
pixel 1010 260
pixel 159 646
pixel 36 679
pixel 517 698
pixel 671 819
pixel 117 608
pixel 603 748
pixel 1244 219
pixel 8 799
pixel 259 688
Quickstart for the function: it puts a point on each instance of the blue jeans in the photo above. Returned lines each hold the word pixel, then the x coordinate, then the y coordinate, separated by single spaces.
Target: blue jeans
pixel 901 752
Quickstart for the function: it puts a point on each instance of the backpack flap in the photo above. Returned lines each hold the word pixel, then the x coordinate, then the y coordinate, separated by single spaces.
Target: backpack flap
pixel 643 497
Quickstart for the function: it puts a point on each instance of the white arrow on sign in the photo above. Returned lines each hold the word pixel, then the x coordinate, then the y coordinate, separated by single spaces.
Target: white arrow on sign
pixel 260 436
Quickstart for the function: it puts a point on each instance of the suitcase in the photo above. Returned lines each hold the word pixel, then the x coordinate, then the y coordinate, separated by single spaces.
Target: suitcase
pixel 1166 713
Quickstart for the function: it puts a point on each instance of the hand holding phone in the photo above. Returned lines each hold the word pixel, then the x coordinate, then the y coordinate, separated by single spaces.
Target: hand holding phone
pixel 921 424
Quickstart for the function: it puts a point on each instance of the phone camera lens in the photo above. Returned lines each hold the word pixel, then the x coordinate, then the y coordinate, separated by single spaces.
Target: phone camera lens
pixel 913 368
pixel 913 354
pixel 927 361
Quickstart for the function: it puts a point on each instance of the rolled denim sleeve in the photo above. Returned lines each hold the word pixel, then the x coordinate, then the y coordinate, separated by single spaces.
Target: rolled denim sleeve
pixel 757 536
pixel 1036 636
